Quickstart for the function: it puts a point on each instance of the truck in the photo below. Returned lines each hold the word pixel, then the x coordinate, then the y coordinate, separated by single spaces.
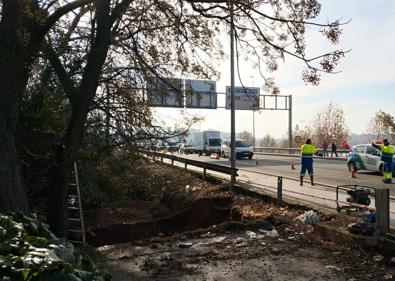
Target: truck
pixel 206 142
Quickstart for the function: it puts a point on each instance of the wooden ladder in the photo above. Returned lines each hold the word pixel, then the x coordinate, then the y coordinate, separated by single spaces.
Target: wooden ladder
pixel 76 233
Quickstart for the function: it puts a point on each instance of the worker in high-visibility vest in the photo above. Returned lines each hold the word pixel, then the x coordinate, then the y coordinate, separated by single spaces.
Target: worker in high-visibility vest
pixel 387 153
pixel 307 150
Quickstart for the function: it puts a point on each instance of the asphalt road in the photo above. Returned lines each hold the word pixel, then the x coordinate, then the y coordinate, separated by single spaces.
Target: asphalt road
pixel 326 171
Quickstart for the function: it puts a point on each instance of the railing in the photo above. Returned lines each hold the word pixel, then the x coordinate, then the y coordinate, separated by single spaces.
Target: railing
pixel 381 202
pixel 342 153
pixel 206 166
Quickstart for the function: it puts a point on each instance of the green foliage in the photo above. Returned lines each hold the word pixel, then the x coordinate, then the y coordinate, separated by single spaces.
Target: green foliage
pixel 30 252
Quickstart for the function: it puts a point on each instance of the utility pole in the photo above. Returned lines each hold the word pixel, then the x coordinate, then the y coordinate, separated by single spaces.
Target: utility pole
pixel 232 103
pixel 290 123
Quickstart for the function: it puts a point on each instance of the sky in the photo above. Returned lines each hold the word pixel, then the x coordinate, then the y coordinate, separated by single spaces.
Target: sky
pixel 364 85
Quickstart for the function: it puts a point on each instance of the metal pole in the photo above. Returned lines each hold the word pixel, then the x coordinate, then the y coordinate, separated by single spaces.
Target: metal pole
pixel 279 200
pixel 382 210
pixel 232 103
pixel 253 127
pixel 290 123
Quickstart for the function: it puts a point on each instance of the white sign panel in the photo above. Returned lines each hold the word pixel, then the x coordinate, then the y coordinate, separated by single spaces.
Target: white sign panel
pixel 200 94
pixel 246 98
pixel 166 92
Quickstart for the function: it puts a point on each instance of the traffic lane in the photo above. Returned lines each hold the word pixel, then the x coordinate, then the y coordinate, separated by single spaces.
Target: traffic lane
pixel 332 172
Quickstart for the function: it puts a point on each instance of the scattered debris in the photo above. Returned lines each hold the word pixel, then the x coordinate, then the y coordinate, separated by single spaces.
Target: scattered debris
pixel 309 217
pixel 378 258
pixel 272 233
pixel 208 234
pixel 251 234
pixel 363 227
pixel 185 244
pixel 333 267
pixel 240 242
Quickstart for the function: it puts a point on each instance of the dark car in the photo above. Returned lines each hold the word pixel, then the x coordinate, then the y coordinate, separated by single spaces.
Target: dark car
pixel 171 147
pixel 186 149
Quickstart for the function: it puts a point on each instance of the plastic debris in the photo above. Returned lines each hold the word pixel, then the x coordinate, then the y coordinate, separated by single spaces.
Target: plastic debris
pixel 208 234
pixel 378 258
pixel 309 217
pixel 272 233
pixel 251 234
pixel 185 244
pixel 219 239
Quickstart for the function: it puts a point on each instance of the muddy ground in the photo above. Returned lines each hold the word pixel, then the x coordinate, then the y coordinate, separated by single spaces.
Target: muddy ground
pixel 258 241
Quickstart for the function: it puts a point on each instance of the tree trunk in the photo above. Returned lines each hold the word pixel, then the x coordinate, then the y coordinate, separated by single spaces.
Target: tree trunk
pixel 66 150
pixel 14 65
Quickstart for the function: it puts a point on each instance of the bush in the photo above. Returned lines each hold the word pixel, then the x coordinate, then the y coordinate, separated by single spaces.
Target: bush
pixel 30 252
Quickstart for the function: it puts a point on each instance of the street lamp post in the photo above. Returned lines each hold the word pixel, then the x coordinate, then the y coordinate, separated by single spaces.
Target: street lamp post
pixel 232 103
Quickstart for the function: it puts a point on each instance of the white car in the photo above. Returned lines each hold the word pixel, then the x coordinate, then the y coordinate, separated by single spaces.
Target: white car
pixel 242 149
pixel 366 157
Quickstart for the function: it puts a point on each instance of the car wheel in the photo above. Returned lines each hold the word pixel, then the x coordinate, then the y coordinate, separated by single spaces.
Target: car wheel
pixel 381 169
pixel 223 154
pixel 351 166
pixel 250 157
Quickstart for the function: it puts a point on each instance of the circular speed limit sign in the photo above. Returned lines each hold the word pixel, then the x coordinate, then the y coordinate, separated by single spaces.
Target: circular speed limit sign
pixel 298 139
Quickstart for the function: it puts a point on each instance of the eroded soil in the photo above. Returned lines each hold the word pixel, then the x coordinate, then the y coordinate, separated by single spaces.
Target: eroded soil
pixel 259 241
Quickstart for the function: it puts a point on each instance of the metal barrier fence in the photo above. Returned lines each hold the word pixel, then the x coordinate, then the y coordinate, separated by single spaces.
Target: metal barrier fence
pixel 381 203
pixel 342 153
pixel 206 166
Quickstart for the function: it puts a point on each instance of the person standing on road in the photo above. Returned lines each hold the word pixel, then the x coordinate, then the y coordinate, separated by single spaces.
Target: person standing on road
pixel 387 152
pixel 307 150
pixel 325 148
pixel 334 148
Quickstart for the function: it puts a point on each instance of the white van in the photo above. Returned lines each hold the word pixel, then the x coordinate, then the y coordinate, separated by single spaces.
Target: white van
pixel 242 149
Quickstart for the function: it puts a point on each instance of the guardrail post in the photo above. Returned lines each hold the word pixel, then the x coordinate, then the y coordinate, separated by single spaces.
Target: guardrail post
pixel 172 161
pixel 382 210
pixel 279 200
pixel 186 164
pixel 161 159
pixel 204 172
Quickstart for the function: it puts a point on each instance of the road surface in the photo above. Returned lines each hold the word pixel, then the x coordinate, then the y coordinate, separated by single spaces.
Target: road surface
pixel 326 171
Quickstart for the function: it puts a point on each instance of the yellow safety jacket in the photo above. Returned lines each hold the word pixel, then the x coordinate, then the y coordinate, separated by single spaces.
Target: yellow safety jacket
pixel 308 150
pixel 387 151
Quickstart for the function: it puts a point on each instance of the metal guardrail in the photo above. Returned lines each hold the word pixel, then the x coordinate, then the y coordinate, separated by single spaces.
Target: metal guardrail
pixel 382 202
pixel 206 166
pixel 296 151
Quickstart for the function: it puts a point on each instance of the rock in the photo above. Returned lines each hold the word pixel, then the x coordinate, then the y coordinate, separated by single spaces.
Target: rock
pixel 219 239
pixel 240 242
pixel 392 261
pixel 292 238
pixel 387 276
pixel 275 250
